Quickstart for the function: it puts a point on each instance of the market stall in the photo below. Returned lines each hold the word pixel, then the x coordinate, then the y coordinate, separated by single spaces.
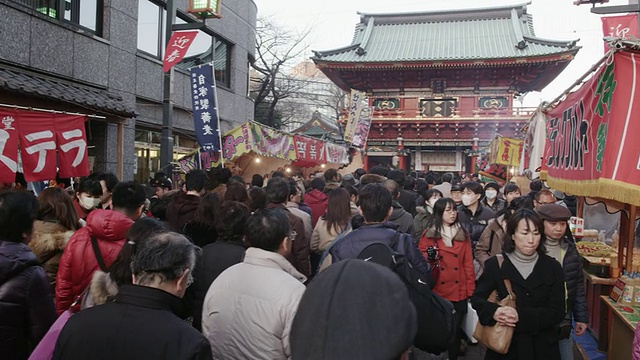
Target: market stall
pixel 591 151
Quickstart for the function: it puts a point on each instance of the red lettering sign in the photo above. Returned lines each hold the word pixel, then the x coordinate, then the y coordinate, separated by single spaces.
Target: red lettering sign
pixel 73 159
pixel 8 146
pixel 177 48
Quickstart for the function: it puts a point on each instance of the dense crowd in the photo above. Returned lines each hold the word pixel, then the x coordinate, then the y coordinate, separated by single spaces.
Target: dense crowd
pixel 284 267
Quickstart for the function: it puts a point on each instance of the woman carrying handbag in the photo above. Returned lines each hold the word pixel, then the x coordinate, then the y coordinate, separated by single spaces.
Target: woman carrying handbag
pixel 537 283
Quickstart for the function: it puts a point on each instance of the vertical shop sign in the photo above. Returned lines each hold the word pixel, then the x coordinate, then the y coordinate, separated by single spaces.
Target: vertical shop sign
pixel 205 111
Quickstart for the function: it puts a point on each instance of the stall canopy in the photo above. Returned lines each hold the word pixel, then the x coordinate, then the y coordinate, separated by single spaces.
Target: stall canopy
pixel 591 146
pixel 256 138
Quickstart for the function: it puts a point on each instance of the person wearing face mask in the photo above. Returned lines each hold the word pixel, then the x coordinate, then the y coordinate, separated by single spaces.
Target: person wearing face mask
pixel 96 245
pixel 491 199
pixel 87 197
pixel 474 217
pixel 422 219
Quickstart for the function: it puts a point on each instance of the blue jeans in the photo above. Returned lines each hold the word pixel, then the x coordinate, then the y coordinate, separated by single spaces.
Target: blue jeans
pixel 566 349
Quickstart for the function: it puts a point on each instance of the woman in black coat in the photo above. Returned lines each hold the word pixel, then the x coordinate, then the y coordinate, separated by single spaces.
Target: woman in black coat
pixel 538 283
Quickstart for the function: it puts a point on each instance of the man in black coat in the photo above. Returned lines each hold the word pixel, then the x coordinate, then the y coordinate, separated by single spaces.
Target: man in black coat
pixel 563 249
pixel 145 320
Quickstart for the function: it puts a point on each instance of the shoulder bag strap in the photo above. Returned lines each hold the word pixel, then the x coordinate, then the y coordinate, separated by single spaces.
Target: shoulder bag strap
pixel 394 240
pixel 507 282
pixel 96 250
pixel 325 253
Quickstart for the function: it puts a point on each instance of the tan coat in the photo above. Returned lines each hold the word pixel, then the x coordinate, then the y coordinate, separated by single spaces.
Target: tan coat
pixel 321 237
pixel 490 243
pixel 47 242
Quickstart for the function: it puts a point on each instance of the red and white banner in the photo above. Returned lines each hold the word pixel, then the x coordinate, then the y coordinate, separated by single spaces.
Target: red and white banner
pixel 623 26
pixel 309 150
pixel 46 141
pixel 177 48
pixel 592 144
pixel 337 154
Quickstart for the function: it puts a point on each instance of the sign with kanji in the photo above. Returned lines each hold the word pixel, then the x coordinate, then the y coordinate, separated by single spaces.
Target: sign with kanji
pixel 45 142
pixel 505 151
pixel 177 48
pixel 310 150
pixel 205 111
pixel 356 103
pixel 591 144
pixel 622 26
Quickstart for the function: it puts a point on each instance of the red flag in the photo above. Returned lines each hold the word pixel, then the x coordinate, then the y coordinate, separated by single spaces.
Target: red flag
pixel 37 145
pixel 177 48
pixel 73 159
pixel 8 146
pixel 623 26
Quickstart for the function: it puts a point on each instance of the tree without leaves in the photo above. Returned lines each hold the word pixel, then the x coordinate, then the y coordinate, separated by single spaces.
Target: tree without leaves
pixel 275 49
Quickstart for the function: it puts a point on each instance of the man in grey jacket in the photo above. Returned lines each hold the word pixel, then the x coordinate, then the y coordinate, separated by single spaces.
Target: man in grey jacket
pixel 399 215
pixel 249 308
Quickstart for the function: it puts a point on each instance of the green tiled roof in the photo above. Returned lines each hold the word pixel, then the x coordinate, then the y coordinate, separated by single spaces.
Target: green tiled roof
pixel 478 34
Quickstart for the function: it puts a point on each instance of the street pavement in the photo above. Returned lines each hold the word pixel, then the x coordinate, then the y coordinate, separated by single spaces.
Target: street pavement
pixel 474 352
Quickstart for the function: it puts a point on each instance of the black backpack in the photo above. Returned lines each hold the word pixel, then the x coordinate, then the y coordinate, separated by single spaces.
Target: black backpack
pixel 436 316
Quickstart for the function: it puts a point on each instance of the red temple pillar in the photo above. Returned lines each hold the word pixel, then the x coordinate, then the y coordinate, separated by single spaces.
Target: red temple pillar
pixel 402 159
pixel 474 148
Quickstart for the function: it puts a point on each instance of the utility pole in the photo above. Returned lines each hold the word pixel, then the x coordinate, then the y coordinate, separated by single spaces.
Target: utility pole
pixel 166 142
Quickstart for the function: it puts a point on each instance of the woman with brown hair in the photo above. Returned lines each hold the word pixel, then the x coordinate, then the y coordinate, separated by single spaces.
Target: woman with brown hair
pixel 56 220
pixel 201 230
pixel 334 222
pixel 237 192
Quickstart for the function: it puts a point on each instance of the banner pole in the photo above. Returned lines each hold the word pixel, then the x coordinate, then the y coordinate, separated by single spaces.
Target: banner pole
pixel 215 94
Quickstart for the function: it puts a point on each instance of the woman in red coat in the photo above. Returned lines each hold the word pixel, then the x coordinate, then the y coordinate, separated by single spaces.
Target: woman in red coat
pixel 446 243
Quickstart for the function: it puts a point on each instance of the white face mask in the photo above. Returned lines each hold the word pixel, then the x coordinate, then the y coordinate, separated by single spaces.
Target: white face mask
pixel 491 194
pixel 468 200
pixel 432 202
pixel 88 202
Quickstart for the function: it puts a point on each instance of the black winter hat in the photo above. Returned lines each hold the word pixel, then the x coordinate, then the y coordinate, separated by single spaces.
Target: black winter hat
pixel 355 310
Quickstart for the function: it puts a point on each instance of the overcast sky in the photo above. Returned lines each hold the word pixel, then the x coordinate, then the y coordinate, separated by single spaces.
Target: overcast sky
pixel 332 23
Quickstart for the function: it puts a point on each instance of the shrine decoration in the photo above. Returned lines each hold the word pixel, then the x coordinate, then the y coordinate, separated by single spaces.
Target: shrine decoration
pixel 591 147
pixel 621 26
pixel 310 152
pixel 505 151
pixel 37 143
pixel 177 48
pixel 337 154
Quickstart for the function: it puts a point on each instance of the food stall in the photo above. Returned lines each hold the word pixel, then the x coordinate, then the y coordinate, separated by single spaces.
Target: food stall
pixel 591 151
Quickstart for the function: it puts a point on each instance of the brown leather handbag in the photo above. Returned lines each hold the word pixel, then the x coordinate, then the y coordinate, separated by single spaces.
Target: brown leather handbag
pixel 497 337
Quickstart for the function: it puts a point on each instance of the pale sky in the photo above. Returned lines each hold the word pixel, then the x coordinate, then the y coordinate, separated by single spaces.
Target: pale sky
pixel 332 23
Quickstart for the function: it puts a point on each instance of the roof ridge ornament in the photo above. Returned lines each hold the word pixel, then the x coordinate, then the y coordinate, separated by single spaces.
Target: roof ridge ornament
pixel 365 39
pixel 515 21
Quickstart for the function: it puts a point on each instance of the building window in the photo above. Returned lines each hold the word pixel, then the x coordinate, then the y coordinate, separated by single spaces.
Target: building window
pixel 152 40
pixel 86 14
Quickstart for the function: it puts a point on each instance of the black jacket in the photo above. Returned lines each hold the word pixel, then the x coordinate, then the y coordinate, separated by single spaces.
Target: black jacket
pixel 408 200
pixel 26 301
pixel 572 266
pixel 141 323
pixel 350 246
pixel 475 223
pixel 540 304
pixel 215 259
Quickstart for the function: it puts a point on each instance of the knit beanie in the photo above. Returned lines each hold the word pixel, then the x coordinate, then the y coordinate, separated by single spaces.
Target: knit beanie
pixel 354 310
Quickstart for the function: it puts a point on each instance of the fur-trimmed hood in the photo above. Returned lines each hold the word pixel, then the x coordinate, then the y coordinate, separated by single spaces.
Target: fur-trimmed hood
pixel 460 235
pixel 101 290
pixel 48 236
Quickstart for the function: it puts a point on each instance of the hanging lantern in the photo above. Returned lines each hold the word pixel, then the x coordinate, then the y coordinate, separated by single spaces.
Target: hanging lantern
pixel 204 8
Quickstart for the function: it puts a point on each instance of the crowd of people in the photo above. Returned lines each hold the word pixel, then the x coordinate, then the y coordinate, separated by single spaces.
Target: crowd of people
pixel 228 268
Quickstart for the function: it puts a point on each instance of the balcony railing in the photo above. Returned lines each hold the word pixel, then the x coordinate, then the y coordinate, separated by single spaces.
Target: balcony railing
pixel 455 113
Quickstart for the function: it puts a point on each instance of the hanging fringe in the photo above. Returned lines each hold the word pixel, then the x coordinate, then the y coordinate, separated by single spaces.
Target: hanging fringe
pixel 604 188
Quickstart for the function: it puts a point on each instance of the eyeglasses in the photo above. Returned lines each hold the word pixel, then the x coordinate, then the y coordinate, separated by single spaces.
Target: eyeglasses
pixel 454 210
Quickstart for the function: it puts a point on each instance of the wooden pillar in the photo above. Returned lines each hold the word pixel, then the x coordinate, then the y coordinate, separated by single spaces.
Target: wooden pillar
pixel 630 237
pixel 580 206
pixel 474 148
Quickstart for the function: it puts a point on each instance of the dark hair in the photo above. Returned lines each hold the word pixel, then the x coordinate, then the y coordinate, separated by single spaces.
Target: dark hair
pixel 165 255
pixel 257 180
pixel 267 228
pixel 65 181
pixel 474 186
pixel 331 174
pixel 216 177
pixel 207 209
pixel 357 221
pixel 293 189
pixel 277 190
pixel 422 187
pixel 56 205
pixel 438 211
pixel 522 202
pixel 128 196
pixel 375 201
pixel 196 180
pixel 338 210
pixel 393 187
pixel 409 183
pixel 236 192
pixel 277 174
pixel 359 172
pixel 236 179
pixel 18 210
pixel 492 185
pixel 258 198
pixel 544 192
pixel 90 186
pixel 231 221
pixel 447 177
pixel 379 170
pixel 510 187
pixel 159 206
pixel 351 190
pixel 318 184
pixel 529 216
pixel 21 180
pixel 397 176
pixel 110 181
pixel 140 231
pixel 429 194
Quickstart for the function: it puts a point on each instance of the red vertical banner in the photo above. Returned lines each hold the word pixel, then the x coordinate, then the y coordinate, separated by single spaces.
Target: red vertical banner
pixel 623 26
pixel 8 146
pixel 37 145
pixel 73 159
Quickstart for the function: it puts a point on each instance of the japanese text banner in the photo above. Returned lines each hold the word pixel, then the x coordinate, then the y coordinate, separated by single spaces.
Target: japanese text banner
pixel 37 145
pixel 72 146
pixel 269 142
pixel 177 48
pixel 205 111
pixel 622 26
pixel 310 150
pixel 355 105
pixel 592 147
pixel 8 146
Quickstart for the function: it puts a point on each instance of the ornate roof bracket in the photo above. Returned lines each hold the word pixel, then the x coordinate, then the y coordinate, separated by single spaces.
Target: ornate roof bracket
pixel 515 21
